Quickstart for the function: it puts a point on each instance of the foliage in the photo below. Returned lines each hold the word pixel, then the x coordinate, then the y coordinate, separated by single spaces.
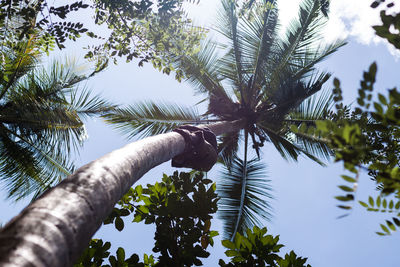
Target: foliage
pixel 148 30
pixel 149 118
pixel 365 137
pixel 259 77
pixel 41 112
pixel 22 18
pixel 390 24
pixel 256 248
pixel 181 207
pixel 230 191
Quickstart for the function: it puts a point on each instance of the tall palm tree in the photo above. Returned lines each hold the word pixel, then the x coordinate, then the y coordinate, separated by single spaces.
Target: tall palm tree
pixel 257 75
pixel 41 112
pixel 54 229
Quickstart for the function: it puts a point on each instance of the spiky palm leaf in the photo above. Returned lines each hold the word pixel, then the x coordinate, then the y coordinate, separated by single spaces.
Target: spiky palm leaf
pixel 151 118
pixel 243 199
pixel 40 120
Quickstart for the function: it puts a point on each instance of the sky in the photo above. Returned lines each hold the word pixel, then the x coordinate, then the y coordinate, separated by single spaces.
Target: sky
pixel 305 212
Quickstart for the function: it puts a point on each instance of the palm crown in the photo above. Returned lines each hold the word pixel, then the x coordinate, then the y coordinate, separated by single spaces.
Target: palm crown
pixel 41 115
pixel 266 80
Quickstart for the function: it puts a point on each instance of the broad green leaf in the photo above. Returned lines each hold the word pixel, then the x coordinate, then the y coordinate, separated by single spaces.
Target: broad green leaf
pixel 232 253
pixel 378 201
pixel 345 198
pixel 390 225
pixel 346 188
pixel 371 201
pixel 121 255
pixel 384 203
pixel 228 244
pixel 391 204
pixel 143 209
pixel 119 224
pixel 385 229
pixel 349 179
pixel 139 190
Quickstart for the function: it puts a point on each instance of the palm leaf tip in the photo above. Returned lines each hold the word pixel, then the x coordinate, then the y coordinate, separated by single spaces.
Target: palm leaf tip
pixel 256 207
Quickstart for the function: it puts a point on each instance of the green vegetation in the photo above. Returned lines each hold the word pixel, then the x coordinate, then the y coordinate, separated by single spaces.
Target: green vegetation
pixel 181 207
pixel 256 76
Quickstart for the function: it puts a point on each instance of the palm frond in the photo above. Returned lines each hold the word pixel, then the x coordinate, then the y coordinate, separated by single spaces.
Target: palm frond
pixel 258 32
pixel 316 107
pixel 85 105
pixel 301 37
pixel 313 108
pixel 27 167
pixel 286 147
pixel 292 93
pixel 257 192
pixel 305 65
pixel 16 62
pixel 228 147
pixel 201 69
pixel 150 118
pixel 231 65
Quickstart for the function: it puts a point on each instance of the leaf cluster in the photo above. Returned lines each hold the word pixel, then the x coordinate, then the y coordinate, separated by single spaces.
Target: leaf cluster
pixel 150 31
pixel 366 136
pixel 181 207
pixel 41 112
pixel 260 78
pixel 390 27
pixel 25 18
pixel 256 248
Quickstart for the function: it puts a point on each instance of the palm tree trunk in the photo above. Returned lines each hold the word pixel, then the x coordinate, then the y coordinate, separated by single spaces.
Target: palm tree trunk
pixel 57 227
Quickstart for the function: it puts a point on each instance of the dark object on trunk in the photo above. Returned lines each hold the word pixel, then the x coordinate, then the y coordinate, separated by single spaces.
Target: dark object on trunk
pixel 200 150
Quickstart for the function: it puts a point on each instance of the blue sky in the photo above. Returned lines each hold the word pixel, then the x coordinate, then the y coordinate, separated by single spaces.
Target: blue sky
pixel 304 208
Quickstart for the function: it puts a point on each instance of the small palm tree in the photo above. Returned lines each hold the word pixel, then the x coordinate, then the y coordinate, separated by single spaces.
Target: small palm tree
pixel 266 80
pixel 41 115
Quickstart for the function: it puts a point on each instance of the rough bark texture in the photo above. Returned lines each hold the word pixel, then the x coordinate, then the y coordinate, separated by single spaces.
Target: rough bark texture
pixel 55 229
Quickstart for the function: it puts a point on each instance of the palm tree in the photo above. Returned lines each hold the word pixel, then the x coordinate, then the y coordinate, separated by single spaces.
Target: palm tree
pixel 269 78
pixel 41 114
pixel 263 78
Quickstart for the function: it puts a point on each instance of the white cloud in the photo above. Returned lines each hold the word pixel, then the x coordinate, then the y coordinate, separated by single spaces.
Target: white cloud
pixel 347 18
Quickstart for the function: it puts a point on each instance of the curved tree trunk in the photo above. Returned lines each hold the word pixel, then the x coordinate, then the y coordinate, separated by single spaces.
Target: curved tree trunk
pixel 55 229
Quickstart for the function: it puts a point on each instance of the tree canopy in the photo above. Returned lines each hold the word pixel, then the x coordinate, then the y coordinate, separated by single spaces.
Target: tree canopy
pixel 257 76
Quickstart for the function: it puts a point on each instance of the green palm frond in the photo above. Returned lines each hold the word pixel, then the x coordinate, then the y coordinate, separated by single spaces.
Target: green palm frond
pixel 301 36
pixel 316 107
pixel 305 65
pixel 231 65
pixel 228 147
pixel 256 199
pixel 85 105
pixel 313 108
pixel 41 115
pixel 312 145
pixel 29 167
pixel 292 93
pixel 150 118
pixel 259 36
pixel 201 69
pixel 15 63
pixel 288 149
